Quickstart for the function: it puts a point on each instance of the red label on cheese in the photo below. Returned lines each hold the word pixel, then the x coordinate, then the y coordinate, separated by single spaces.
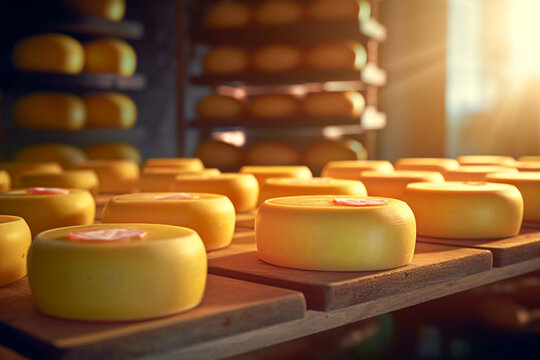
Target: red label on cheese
pixel 107 235
pixel 46 191
pixel 176 197
pixel 359 202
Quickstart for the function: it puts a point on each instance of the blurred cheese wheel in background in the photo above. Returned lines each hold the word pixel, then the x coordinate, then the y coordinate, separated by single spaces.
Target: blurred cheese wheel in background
pixel 57 111
pixel 219 106
pixel 353 169
pixel 336 55
pixel 16 168
pixel 272 153
pixel 219 154
pixel 160 179
pixel 273 105
pixel 225 60
pixel 525 166
pixel 465 210
pixel 528 158
pixel 15 240
pixel 426 164
pixel 113 151
pixel 110 56
pixel 486 160
pixel 393 184
pixel 262 172
pixel 192 164
pixel 109 110
pixel 227 14
pixel 115 176
pixel 318 154
pixel 49 53
pixel 74 179
pixel 346 104
pixel 475 173
pixel 339 9
pixel 66 155
pixel 277 12
pixel 276 57
pixel 5 180
pixel 113 10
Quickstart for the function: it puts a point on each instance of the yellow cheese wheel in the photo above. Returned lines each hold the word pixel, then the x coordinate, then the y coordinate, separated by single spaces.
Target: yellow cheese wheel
pixel 113 151
pixel 110 56
pixel 486 160
pixel 17 168
pixel 219 154
pixel 48 211
pixel 5 180
pixel 529 185
pixel 527 166
pixel 225 60
pixel 466 210
pixel 353 169
pixel 277 12
pixel 161 274
pixel 106 110
pixel 57 111
pixel 475 172
pixel 113 10
pixel 393 184
pixel 272 153
pixel 339 9
pixel 49 53
pixel 160 179
pixel 219 106
pixel 337 55
pixel 264 172
pixel 211 216
pixel 241 189
pixel 273 105
pixel 228 14
pixel 65 155
pixel 115 176
pixel 528 158
pixel 347 103
pixel 345 238
pixel 191 164
pixel 15 239
pixel 76 179
pixel 280 187
pixel 276 57
pixel 426 164
pixel 320 153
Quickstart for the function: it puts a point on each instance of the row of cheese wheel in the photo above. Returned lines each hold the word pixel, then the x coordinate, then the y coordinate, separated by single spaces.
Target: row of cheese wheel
pixel 62 111
pixel 237 14
pixel 283 57
pixel 331 104
pixel 59 53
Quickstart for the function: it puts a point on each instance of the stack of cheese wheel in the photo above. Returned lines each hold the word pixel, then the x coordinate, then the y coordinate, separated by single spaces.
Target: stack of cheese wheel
pixel 339 103
pixel 109 110
pixel 427 164
pixel 228 14
pixel 114 272
pixel 216 106
pixel 112 151
pixel 262 173
pixel 190 164
pixel 366 233
pixel 274 106
pixel 16 169
pixel 15 239
pixel 225 60
pixel 393 184
pixel 76 179
pixel 280 187
pixel 5 180
pixel 63 154
pixel 466 210
pixel 486 160
pixel 241 189
pixel 219 154
pixel 353 169
pixel 276 58
pixel 160 179
pixel 115 176
pixel 475 172
pixel 110 56
pixel 272 153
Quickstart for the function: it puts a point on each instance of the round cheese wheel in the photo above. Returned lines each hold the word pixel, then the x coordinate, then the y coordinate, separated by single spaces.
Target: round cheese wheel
pixel 228 14
pixel 49 211
pixel 352 233
pixel 76 179
pixel 529 185
pixel 65 155
pixel 280 187
pixel 16 169
pixel 475 172
pixel 113 151
pixel 393 184
pixel 110 110
pixel 49 53
pixel 241 189
pixel 527 166
pixel 219 154
pixel 337 55
pixel 160 179
pixel 263 172
pixel 225 60
pixel 339 9
pixel 113 10
pixel 162 273
pixel 219 106
pixel 110 56
pixel 465 210
pixel 529 158
pixel 55 111
pixel 115 176
pixel 278 12
pixel 486 160
pixel 5 180
pixel 346 104
pixel 15 239
pixel 273 105
pixel 353 169
pixel 320 153
pixel 211 216
pixel 426 164
pixel 276 57
pixel 272 153
pixel 191 164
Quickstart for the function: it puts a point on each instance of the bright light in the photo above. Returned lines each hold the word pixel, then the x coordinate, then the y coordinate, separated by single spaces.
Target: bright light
pixel 236 138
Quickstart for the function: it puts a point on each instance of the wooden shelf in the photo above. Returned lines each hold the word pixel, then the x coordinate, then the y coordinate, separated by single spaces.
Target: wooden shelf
pixel 89 25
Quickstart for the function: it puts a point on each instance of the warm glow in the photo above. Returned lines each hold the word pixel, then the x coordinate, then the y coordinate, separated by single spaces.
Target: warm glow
pixel 236 138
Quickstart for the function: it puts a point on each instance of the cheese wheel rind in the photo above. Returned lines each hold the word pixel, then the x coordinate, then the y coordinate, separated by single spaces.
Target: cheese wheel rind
pixel 115 176
pixel 76 179
pixel 263 172
pixel 110 56
pixel 426 164
pixel 352 169
pixel 5 180
pixel 394 184
pixel 15 239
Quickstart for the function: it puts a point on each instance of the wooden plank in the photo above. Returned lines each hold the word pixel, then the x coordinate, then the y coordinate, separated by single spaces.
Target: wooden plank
pixel 327 290
pixel 229 307
pixel 505 251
